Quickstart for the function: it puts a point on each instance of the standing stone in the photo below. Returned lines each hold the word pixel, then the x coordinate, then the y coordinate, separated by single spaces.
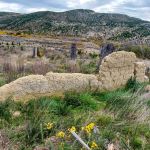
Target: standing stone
pixel 105 51
pixel 73 51
pixel 34 52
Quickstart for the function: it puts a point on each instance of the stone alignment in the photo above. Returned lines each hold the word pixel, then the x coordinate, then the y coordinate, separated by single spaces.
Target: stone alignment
pixel 115 71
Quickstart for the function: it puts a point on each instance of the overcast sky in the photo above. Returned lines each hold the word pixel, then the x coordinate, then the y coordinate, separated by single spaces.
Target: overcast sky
pixel 135 8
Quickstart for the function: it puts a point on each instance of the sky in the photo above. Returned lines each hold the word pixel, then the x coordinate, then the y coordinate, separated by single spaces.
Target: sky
pixel 134 8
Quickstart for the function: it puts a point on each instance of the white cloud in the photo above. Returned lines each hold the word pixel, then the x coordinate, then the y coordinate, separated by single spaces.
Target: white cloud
pixel 143 12
pixel 14 7
pixel 78 3
pixel 130 7
pixel 10 6
pixel 112 6
pixel 30 10
pixel 85 1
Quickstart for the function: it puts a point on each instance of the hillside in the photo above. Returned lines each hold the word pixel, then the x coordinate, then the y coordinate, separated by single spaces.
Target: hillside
pixel 6 18
pixel 76 22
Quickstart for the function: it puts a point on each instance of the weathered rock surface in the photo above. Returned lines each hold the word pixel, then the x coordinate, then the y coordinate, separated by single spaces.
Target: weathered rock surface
pixel 34 86
pixel 140 71
pixel 116 69
pixel 147 88
pixel 114 72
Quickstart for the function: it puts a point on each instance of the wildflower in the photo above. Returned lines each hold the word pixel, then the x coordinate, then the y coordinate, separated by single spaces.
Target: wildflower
pixel 89 127
pixel 60 134
pixel 49 126
pixel 94 145
pixel 72 129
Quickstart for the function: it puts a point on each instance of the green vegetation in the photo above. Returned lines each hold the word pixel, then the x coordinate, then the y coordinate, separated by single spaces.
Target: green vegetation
pixel 73 22
pixel 142 51
pixel 99 118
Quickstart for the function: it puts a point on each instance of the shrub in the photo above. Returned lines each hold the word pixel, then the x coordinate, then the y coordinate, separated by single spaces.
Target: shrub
pixel 5 112
pixel 136 143
pixel 104 121
pixel 93 55
pixel 132 84
pixel 83 100
pixel 88 68
pixel 141 51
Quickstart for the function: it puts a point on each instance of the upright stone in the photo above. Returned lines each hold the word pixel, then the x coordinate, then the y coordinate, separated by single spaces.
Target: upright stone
pixel 34 52
pixel 73 51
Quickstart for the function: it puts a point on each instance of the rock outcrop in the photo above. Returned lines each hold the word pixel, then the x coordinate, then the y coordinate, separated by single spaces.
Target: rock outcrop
pixel 115 71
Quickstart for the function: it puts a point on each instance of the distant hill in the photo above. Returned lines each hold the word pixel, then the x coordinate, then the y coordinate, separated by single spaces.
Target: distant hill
pixel 76 22
pixel 8 14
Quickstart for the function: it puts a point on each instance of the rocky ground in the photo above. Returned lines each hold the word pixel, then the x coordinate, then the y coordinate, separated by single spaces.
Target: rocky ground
pixel 57 49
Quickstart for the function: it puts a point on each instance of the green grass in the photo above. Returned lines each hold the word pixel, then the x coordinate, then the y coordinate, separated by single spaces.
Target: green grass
pixel 116 115
pixel 2 81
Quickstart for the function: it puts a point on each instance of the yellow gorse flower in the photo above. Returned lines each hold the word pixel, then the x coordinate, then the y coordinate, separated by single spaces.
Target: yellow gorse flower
pixel 89 127
pixel 49 126
pixel 72 129
pixel 94 145
pixel 60 134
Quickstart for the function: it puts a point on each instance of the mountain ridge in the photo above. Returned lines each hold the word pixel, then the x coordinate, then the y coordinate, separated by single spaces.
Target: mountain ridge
pixel 76 22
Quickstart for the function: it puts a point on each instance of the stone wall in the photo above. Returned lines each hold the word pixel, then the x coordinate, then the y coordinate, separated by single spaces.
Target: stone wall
pixel 115 71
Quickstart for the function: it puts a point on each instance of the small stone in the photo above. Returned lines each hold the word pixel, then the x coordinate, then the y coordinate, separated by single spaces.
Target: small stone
pixel 16 113
pixel 147 88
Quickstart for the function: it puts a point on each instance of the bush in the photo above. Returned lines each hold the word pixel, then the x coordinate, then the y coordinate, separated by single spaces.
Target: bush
pixel 132 84
pixel 140 51
pixel 5 112
pixel 88 68
pixel 136 143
